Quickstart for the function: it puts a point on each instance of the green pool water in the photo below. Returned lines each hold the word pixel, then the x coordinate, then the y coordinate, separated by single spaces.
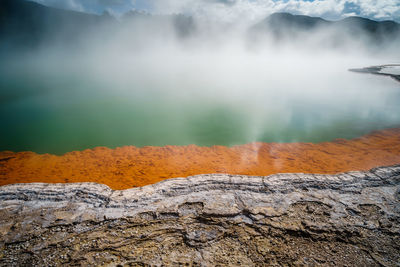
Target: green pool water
pixel 51 111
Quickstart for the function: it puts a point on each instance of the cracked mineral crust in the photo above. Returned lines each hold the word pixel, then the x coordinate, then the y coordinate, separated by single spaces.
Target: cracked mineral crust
pixel 349 219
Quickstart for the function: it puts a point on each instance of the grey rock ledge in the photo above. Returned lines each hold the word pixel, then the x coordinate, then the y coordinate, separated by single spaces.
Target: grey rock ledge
pixel 348 219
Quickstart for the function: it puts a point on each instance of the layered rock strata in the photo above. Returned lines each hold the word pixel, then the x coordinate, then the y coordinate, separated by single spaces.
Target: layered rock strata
pixel 349 219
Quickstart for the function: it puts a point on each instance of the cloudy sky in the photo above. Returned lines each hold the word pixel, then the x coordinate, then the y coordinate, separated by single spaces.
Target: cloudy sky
pixel 230 10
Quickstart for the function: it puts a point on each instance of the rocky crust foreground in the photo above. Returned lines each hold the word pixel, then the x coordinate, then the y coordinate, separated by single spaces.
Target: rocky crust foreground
pixel 207 220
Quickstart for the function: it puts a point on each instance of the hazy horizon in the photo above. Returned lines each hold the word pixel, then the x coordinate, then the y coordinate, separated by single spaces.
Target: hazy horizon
pixel 233 10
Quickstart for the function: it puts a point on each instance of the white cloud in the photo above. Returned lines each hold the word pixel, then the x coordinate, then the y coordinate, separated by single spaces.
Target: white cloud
pixel 382 9
pixel 257 9
pixel 75 5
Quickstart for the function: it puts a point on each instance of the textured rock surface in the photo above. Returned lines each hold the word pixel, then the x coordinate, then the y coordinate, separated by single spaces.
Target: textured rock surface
pixel 287 219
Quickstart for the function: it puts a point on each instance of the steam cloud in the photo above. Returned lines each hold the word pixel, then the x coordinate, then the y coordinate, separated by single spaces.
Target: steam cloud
pixel 291 87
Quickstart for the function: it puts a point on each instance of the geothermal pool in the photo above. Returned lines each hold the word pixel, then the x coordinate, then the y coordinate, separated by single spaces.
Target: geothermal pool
pixel 57 109
pixel 129 120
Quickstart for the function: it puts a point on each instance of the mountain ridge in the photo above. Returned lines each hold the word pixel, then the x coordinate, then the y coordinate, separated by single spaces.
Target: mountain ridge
pixel 27 23
pixel 286 26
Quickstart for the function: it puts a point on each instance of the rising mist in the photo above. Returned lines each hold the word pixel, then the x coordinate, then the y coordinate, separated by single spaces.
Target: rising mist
pixel 76 81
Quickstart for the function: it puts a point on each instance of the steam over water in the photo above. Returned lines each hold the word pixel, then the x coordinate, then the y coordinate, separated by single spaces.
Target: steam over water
pixel 216 87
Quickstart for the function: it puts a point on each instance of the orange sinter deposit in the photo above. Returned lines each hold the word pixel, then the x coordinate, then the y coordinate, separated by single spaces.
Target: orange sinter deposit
pixel 130 166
